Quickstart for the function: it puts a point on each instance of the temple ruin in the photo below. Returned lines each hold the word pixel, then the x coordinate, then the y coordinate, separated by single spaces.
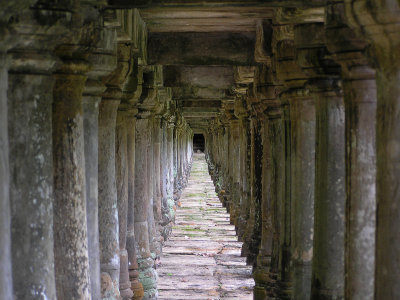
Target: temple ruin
pixel 295 104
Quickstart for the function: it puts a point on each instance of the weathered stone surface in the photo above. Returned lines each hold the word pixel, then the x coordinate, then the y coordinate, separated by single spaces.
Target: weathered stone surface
pixel 31 165
pixel 71 259
pixel 5 231
pixel 201 49
pixel 108 207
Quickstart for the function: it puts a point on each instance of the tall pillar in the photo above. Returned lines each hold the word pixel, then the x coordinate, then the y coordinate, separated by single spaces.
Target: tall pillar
pixel 31 165
pixel 302 116
pixel 157 182
pixel 359 89
pixel 102 63
pixel 170 158
pixel 151 180
pixel 70 227
pixel 108 204
pixel 329 225
pixel 244 166
pixel 6 289
pixel 234 158
pixel 261 272
pixel 131 244
pixel 328 261
pixel 147 274
pixel 253 229
pixel 276 187
pixel 109 232
pixel 383 32
pixel 166 215
pixel 121 170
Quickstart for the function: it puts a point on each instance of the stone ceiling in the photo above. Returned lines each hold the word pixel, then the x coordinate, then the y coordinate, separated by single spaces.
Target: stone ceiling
pixel 200 45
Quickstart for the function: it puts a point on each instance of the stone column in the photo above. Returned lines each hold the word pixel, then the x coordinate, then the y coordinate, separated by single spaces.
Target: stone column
pixel 151 182
pixel 131 244
pixel 90 126
pixel 147 274
pixel 31 173
pixel 70 227
pixel 302 116
pixel 122 173
pixel 261 272
pixel 329 225
pixel 328 261
pixel 170 151
pixel 276 187
pixel 382 30
pixel 244 166
pixel 234 137
pixel 157 182
pixel 253 229
pixel 102 62
pixel 359 89
pixel 6 288
pixel 108 204
pixel 164 181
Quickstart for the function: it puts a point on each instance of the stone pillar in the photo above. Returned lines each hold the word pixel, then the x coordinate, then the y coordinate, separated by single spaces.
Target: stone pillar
pixel 131 244
pixel 103 63
pixel 276 187
pixel 147 274
pixel 151 182
pixel 261 272
pixel 166 218
pixel 329 225
pixel 253 229
pixel 382 30
pixel 235 168
pixel 31 173
pixel 359 89
pixel 90 126
pixel 157 182
pixel 302 116
pixel 108 204
pixel 328 261
pixel 170 151
pixel 6 288
pixel 122 173
pixel 70 227
pixel 244 165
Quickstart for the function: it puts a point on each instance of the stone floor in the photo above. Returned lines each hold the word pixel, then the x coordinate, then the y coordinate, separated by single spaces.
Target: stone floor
pixel 201 259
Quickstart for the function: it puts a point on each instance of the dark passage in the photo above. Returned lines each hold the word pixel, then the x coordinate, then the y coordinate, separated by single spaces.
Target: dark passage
pixel 198 142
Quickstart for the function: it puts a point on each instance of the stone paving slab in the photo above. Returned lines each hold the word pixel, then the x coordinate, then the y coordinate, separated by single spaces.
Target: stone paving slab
pixel 201 260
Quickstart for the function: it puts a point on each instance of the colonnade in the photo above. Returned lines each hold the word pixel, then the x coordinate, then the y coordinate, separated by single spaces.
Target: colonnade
pixel 94 153
pixel 312 143
pixel 95 149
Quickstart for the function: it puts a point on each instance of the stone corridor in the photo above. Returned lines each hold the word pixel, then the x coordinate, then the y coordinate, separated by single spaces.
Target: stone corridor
pixel 201 259
pixel 294 103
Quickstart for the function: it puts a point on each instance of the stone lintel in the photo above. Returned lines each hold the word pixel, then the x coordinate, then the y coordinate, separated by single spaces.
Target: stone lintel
pixel 224 48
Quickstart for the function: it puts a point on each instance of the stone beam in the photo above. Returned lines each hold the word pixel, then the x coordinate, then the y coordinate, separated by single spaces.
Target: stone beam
pixel 211 76
pixel 200 114
pixel 190 110
pixel 201 48
pixel 211 3
pixel 200 93
pixel 201 103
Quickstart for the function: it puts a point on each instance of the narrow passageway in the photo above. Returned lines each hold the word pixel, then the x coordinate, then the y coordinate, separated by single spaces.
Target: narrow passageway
pixel 201 259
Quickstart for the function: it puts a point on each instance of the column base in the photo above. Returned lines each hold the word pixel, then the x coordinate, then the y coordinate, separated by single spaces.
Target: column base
pixel 109 288
pixel 148 277
pixel 124 283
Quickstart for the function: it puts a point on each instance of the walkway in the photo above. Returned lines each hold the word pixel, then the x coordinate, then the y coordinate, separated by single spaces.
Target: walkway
pixel 201 259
